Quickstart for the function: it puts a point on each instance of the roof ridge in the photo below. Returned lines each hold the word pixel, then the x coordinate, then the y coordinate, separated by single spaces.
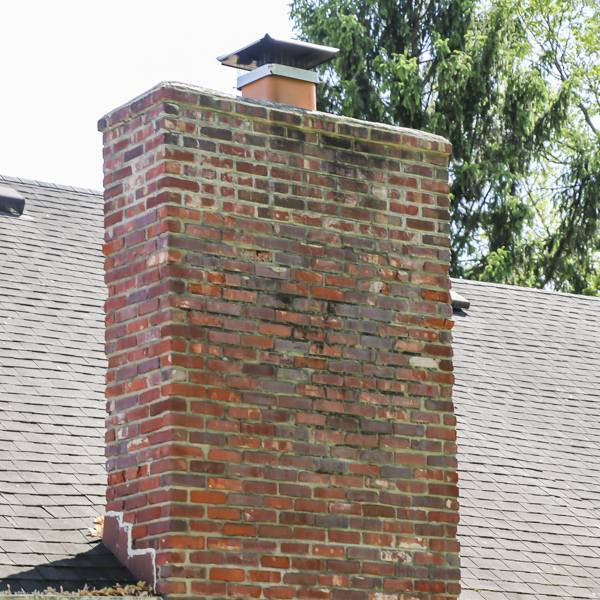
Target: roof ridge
pixel 523 288
pixel 33 182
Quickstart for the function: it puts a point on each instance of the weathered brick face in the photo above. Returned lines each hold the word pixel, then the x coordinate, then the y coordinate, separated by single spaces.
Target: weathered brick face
pixel 279 386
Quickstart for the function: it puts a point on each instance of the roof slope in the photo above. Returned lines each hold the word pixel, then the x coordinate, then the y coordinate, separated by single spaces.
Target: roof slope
pixel 52 365
pixel 527 399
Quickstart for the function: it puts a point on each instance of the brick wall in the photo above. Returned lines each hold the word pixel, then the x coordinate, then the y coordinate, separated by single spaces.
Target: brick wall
pixel 279 387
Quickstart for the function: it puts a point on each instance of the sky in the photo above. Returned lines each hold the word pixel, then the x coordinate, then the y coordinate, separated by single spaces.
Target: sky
pixel 66 63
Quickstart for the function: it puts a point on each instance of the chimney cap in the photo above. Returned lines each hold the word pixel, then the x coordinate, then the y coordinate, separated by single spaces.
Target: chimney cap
pixel 289 53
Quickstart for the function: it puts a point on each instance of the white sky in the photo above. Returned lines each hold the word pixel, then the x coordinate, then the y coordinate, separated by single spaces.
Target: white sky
pixel 66 63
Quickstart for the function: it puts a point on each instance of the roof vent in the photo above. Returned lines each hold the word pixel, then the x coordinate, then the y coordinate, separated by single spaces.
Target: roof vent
pixel 278 70
pixel 11 202
pixel 459 302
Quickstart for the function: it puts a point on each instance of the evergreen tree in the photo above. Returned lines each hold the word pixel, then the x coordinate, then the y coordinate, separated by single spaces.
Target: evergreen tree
pixel 466 70
pixel 563 188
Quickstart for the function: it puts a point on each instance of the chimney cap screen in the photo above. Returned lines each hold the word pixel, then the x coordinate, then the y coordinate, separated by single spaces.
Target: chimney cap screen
pixel 300 55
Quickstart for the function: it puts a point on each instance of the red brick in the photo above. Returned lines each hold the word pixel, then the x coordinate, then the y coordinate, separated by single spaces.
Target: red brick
pixel 227 575
pixel 262 391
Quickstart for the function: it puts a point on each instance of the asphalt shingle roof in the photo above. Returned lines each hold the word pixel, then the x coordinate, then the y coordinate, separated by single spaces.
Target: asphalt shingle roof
pixel 527 400
pixel 52 365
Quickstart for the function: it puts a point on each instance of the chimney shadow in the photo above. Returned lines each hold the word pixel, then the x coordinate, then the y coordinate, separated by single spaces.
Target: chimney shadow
pixel 98 568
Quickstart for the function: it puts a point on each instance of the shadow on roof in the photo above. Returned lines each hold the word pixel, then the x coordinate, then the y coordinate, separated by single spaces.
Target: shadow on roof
pixel 97 568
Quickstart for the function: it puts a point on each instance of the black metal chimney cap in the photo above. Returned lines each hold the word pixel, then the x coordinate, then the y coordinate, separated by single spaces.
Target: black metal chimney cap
pixel 11 202
pixel 300 55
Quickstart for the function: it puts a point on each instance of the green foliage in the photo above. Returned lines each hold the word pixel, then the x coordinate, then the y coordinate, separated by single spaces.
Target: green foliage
pixel 567 44
pixel 496 270
pixel 514 85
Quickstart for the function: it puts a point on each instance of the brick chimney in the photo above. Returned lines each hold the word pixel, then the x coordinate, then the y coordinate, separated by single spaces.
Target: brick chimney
pixel 280 422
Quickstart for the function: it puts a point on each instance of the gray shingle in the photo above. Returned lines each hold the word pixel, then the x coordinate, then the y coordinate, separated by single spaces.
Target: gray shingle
pixel 52 367
pixel 527 401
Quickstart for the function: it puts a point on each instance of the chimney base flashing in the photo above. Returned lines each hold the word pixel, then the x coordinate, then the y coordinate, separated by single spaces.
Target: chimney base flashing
pixel 117 538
